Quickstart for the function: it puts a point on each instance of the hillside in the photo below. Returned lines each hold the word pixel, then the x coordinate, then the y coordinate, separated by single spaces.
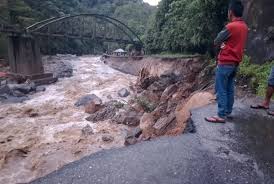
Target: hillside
pixel 186 26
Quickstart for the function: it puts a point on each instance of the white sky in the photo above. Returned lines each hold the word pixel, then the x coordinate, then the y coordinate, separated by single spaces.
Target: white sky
pixel 152 2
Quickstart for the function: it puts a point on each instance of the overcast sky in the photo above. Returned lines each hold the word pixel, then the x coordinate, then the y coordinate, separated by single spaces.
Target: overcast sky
pixel 152 2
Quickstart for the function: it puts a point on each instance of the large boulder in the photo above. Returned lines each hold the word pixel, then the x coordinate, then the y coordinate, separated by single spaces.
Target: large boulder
pixel 146 125
pixel 123 92
pixel 107 112
pixel 145 79
pixel 168 92
pixel 161 125
pixel 92 107
pixel 163 82
pixel 85 100
pixel 183 110
pixel 129 117
pixel 23 88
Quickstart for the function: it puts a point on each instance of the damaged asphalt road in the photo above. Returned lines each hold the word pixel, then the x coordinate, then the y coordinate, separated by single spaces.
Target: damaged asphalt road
pixel 241 151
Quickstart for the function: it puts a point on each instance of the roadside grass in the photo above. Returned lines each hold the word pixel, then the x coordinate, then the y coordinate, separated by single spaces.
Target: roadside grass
pixel 258 74
pixel 174 55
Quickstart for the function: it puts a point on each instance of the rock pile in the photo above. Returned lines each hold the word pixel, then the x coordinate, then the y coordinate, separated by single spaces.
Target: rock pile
pixel 102 112
pixel 87 100
pixel 16 93
pixel 160 104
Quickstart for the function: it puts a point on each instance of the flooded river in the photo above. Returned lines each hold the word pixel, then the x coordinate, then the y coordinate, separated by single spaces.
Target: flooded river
pixel 44 133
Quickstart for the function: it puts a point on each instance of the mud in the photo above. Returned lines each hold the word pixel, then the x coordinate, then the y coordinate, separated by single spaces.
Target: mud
pixel 46 132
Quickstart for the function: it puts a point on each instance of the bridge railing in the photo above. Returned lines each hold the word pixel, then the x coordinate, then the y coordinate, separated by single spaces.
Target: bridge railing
pixel 38 27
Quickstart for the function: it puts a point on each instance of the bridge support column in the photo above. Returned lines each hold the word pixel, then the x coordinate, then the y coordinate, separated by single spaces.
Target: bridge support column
pixel 24 56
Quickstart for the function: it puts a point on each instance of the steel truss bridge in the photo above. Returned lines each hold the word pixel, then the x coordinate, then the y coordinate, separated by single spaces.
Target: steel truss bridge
pixel 23 45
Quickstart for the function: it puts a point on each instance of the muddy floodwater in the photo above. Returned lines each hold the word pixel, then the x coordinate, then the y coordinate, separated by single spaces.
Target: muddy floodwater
pixel 46 132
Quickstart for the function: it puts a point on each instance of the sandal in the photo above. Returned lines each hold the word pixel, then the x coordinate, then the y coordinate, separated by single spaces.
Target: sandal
pixel 215 119
pixel 259 107
pixel 271 113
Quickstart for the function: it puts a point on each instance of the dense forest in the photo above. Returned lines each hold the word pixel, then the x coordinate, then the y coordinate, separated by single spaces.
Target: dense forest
pixel 134 13
pixel 187 26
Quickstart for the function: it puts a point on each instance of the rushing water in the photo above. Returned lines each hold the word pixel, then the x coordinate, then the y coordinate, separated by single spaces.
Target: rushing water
pixel 41 135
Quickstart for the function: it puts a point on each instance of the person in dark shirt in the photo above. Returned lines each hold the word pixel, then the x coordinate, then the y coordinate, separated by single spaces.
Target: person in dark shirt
pixel 231 40
pixel 268 96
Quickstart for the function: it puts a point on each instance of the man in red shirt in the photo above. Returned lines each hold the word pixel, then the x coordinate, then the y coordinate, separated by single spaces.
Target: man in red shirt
pixel 232 42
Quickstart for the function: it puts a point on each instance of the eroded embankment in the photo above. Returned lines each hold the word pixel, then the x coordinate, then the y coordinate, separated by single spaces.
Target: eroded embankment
pixel 157 66
pixel 166 90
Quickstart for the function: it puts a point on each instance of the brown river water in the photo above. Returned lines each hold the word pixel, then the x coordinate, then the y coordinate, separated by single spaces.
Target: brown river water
pixel 44 133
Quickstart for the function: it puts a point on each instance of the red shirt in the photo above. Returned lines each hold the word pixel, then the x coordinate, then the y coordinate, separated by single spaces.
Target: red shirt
pixel 3 74
pixel 232 50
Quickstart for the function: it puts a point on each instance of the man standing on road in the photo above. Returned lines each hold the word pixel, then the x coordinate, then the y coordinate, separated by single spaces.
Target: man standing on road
pixel 232 42
pixel 268 96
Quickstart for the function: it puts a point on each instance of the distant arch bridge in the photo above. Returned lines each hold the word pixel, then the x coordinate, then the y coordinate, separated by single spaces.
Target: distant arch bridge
pixel 86 26
pixel 24 49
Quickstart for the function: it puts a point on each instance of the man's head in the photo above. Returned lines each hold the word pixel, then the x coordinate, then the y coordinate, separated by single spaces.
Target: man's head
pixel 235 10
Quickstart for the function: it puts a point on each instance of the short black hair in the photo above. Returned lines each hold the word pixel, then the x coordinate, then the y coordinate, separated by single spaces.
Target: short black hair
pixel 237 7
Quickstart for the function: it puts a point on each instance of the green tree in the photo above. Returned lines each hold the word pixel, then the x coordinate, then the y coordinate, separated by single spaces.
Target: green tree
pixel 135 15
pixel 20 13
pixel 186 25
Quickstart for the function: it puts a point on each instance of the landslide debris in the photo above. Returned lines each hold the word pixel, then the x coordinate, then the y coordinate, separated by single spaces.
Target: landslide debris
pixel 161 104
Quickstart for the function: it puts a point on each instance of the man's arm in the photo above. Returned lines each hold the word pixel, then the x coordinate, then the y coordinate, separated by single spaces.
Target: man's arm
pixel 222 36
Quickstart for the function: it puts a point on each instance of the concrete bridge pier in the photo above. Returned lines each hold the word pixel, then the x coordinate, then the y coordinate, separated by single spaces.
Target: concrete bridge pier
pixel 26 61
pixel 24 55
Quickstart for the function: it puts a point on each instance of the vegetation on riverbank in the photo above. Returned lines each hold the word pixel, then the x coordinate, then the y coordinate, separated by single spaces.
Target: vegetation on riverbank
pixel 174 55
